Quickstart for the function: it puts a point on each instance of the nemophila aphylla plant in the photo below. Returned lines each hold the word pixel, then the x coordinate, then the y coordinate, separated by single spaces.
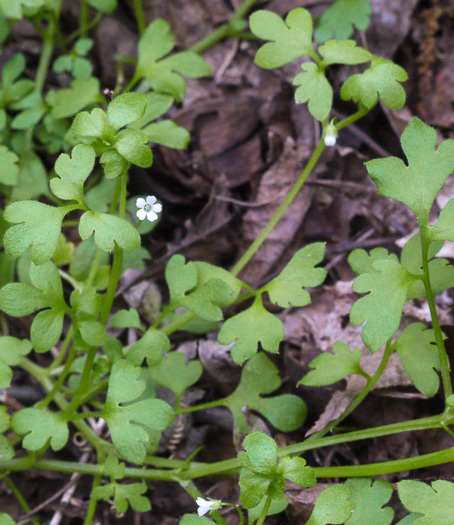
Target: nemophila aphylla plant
pixel 70 232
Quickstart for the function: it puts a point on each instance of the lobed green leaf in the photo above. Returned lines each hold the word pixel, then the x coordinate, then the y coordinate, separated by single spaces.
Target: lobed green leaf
pixel 339 20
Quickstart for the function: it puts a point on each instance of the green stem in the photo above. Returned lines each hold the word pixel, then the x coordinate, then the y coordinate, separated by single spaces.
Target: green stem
pixel 20 498
pixel 63 349
pixel 66 370
pixel 250 252
pixel 83 20
pixel 238 510
pixel 140 16
pixel 352 118
pixel 360 397
pixel 265 510
pixel 203 406
pixel 442 355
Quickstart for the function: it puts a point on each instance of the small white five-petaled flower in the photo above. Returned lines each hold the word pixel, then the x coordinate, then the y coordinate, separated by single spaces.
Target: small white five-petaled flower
pixel 207 505
pixel 148 208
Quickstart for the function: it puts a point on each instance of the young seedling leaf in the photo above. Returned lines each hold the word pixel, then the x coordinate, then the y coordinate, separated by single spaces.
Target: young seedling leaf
pixel 436 504
pixel 410 184
pixel 38 227
pixel 205 298
pixel 131 145
pixel 419 356
pixel 125 495
pixel 91 124
pixel 193 519
pixel 176 374
pixel 126 319
pixel 109 230
pixel 206 272
pixel 105 6
pixel 343 52
pixel 151 347
pixel 363 262
pixel 93 333
pixel 288 287
pixel 443 230
pixel 11 351
pixel 290 39
pixel 369 499
pixel 296 471
pixel 125 109
pixel 32 178
pixel 315 88
pixel 70 101
pixel 157 105
pixel 165 75
pixel 411 257
pixel 339 20
pixel 382 307
pixel 6 452
pixel 5 419
pixel 333 506
pixel 127 418
pixel 40 426
pixel 72 173
pixel 167 133
pixel 260 376
pixel 382 80
pixel 329 368
pixel 249 328
pixel 9 169
pixel 5 519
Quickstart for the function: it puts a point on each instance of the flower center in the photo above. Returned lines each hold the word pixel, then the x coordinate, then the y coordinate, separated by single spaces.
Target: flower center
pixel 147 207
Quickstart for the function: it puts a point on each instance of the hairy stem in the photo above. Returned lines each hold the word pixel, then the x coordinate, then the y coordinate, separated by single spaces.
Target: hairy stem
pixel 265 510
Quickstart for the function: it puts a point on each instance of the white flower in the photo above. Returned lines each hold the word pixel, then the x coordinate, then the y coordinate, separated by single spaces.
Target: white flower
pixel 148 208
pixel 330 140
pixel 207 505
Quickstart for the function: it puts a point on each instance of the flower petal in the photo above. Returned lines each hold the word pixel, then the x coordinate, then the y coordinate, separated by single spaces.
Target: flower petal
pixel 203 510
pixel 151 199
pixel 157 208
pixel 152 216
pixel 141 214
pixel 140 202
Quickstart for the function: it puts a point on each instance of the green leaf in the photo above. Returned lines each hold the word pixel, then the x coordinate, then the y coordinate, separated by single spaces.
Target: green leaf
pixel 38 227
pixel 315 88
pixel 333 506
pixel 411 184
pixel 72 173
pixel 418 354
pixel 176 374
pixel 65 252
pixel 46 329
pixel 205 300
pixel 7 269
pixel 382 307
pixel 8 520
pixel 40 426
pixel 5 420
pixel 260 455
pixel 436 504
pixel 9 170
pixel 93 333
pixel 343 52
pixel 340 18
pixel 193 519
pixel 11 350
pixel 32 178
pixel 276 507
pixel 109 230
pixel 125 495
pixel 206 272
pixel 157 105
pixel 411 256
pixel 382 80
pixel 290 39
pixel 131 145
pixel 136 259
pixel 296 471
pixel 443 230
pixel 164 75
pixel 129 423
pixel 13 68
pixel 90 124
pixel 126 319
pixel 125 109
pixel 249 328
pixel 167 133
pixel 329 368
pixel 6 453
pixel 82 93
pixel 151 347
pixel 105 6
pixel 369 499
pixel 260 376
pixel 287 288
pixel 18 299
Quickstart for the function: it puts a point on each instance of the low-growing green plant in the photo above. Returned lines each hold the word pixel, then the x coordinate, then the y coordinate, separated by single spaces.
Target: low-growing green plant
pixel 95 375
